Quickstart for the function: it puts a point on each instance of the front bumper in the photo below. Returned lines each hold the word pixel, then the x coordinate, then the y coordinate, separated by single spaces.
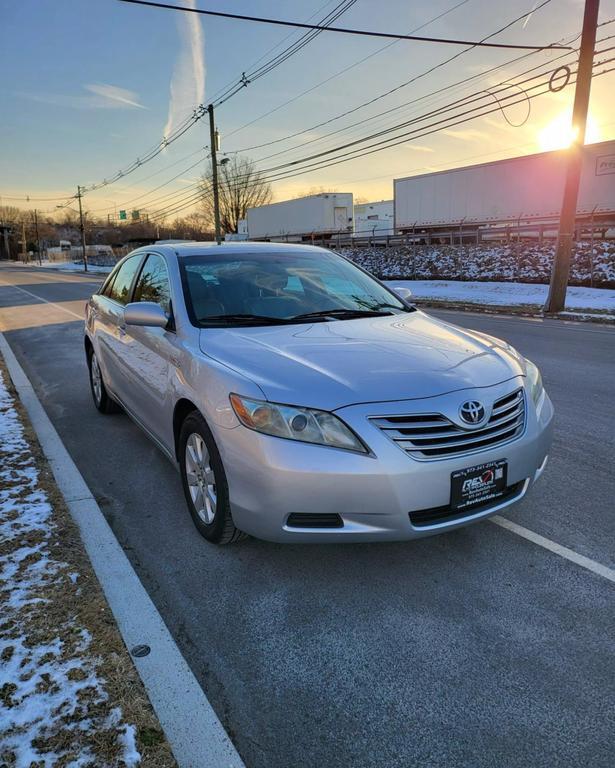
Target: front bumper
pixel 270 478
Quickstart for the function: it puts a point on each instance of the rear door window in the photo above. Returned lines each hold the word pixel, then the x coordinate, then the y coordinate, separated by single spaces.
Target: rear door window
pixel 108 285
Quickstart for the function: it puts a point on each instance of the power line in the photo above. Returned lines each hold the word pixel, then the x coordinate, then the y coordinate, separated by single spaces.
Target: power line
pixel 200 110
pixel 192 198
pixel 459 103
pixel 399 87
pixel 343 71
pixel 250 76
pixel 171 200
pixel 29 199
pixel 428 96
pixel 160 186
pixel 341 30
pixel 151 154
pixel 286 37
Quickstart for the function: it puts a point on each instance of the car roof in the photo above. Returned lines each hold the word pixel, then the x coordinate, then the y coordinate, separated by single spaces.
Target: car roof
pixel 232 247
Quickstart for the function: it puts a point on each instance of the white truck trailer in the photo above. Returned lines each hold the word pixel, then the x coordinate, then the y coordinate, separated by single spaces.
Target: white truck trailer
pixel 372 218
pixel 521 189
pixel 321 215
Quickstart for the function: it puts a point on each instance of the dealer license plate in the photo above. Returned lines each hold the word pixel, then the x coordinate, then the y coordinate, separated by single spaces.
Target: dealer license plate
pixel 478 485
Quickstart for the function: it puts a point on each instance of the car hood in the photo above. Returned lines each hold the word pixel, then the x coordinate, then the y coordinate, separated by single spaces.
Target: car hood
pixel 333 364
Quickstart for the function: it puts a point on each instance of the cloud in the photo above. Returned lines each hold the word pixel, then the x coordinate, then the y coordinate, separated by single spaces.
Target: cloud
pixel 188 80
pixel 113 94
pixel 101 96
pixel 466 134
pixel 420 148
pixel 527 18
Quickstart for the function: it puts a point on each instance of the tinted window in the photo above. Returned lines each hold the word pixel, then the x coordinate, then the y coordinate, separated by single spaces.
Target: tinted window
pixel 120 289
pixel 153 283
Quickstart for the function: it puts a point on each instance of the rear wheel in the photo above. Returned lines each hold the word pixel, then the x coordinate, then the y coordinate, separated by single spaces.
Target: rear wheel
pixel 99 392
pixel 204 482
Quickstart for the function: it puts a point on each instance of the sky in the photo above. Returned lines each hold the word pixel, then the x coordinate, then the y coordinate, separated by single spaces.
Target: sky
pixel 90 85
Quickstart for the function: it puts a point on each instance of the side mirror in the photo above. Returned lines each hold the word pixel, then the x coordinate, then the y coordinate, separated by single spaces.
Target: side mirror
pixel 145 313
pixel 405 294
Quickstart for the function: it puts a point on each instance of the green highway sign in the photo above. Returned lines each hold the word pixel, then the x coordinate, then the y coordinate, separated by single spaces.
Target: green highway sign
pixel 123 216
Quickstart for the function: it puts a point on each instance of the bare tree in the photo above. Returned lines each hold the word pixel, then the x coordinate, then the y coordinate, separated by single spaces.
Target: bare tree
pixel 313 191
pixel 241 186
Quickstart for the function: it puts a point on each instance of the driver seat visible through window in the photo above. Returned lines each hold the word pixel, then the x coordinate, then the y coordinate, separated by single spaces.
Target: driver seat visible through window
pixel 273 300
pixel 204 300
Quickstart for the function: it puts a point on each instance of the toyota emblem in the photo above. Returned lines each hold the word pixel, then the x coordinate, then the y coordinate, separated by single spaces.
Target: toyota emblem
pixel 472 412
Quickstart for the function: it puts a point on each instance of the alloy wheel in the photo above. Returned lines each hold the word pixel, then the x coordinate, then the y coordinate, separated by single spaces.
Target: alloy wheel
pixel 96 379
pixel 200 477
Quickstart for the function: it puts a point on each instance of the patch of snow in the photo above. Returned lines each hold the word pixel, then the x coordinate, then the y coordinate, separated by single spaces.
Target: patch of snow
pixel 41 694
pixel 128 739
pixel 71 266
pixel 507 294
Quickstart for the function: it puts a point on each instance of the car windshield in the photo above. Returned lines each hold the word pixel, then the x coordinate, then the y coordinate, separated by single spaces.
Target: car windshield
pixel 262 288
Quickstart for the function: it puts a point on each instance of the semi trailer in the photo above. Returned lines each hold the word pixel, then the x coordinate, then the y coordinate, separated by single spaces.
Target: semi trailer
pixel 519 190
pixel 322 215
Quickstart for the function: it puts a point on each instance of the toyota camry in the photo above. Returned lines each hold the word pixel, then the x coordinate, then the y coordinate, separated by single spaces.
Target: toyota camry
pixel 303 400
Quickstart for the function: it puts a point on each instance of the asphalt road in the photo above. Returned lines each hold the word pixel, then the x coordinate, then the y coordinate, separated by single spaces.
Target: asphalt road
pixel 475 648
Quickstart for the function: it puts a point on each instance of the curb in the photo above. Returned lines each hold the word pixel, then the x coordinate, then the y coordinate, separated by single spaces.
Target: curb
pixel 196 736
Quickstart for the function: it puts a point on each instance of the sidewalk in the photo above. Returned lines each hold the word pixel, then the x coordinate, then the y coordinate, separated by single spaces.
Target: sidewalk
pixel 597 304
pixel 69 693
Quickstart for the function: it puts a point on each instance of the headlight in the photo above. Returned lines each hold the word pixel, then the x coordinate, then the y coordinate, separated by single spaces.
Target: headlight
pixel 304 424
pixel 533 381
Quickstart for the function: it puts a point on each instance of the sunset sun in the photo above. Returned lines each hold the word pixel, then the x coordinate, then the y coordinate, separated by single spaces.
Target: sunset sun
pixel 559 134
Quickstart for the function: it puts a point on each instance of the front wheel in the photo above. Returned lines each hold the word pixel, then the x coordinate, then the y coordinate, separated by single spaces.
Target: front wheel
pixel 204 482
pixel 99 392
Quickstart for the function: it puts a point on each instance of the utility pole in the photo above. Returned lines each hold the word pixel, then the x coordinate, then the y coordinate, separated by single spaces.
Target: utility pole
pixel 82 228
pixel 38 239
pixel 556 299
pixel 213 144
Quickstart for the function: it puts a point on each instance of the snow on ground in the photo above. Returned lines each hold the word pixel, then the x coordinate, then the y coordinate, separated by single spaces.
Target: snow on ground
pixel 69 266
pixel 506 294
pixel 517 262
pixel 52 700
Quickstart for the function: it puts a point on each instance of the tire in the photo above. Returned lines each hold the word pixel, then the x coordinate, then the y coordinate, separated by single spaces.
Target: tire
pixel 204 482
pixel 97 386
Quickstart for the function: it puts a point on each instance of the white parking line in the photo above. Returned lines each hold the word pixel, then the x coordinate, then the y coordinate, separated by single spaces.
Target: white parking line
pixel 193 730
pixel 569 554
pixel 40 298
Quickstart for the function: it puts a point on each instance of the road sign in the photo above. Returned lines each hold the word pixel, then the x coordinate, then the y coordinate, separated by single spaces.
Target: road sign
pixel 136 215
pixel 123 216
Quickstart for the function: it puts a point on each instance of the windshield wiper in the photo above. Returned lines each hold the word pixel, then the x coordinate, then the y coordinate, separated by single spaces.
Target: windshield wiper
pixel 341 314
pixel 239 319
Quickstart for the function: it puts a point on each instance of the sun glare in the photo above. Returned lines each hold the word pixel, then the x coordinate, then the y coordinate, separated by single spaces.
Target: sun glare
pixel 559 134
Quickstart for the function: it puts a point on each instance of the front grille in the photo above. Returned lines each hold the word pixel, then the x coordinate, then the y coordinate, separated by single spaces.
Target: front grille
pixel 309 520
pixel 433 436
pixel 424 517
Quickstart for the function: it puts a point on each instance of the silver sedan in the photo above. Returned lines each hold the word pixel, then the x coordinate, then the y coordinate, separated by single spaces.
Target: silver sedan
pixel 303 400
